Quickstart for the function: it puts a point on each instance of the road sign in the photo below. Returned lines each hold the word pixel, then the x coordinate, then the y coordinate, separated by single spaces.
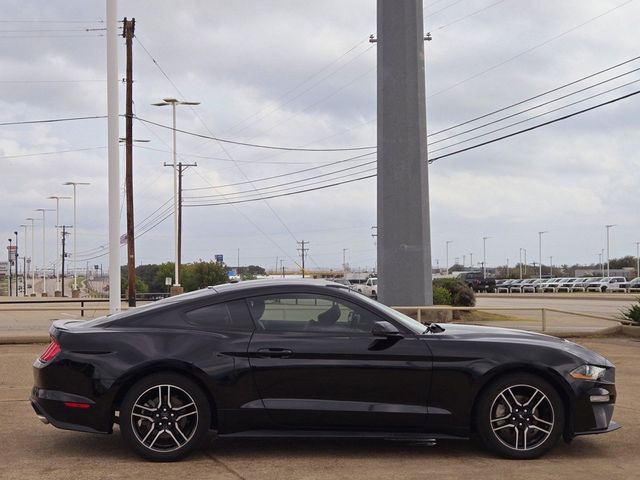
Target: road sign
pixel 4 268
pixel 168 281
pixel 12 249
pixel 219 258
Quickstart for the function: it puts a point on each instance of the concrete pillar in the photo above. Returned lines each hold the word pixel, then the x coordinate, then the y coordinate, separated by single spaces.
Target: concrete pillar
pixel 404 238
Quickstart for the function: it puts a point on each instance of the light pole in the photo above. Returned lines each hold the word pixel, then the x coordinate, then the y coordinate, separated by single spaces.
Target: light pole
pixel 10 264
pixel 484 256
pixel 33 256
pixel 608 256
pixel 471 260
pixel 447 249
pixel 521 262
pixel 540 252
pixel 602 262
pixel 173 102
pixel 16 256
pixel 551 266
pixel 637 259
pixel 75 230
pixel 57 198
pixel 44 256
pixel 25 275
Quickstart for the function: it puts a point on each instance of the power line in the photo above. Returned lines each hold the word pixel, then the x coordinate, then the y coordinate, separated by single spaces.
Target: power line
pixel 470 14
pixel 536 107
pixel 534 117
pixel 537 126
pixel 284 174
pixel 254 145
pixel 528 50
pixel 502 109
pixel 52 120
pixel 435 158
pixel 51 153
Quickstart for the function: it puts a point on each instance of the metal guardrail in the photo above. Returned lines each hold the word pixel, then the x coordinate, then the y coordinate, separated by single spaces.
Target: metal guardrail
pixel 418 310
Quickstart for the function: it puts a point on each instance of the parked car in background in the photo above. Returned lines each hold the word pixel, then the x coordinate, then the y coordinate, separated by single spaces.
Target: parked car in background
pixel 478 282
pixel 592 281
pixel 521 285
pixel 369 288
pixel 542 284
pixel 532 287
pixel 632 285
pixel 607 284
pixel 504 286
pixel 343 281
pixel 580 285
pixel 565 284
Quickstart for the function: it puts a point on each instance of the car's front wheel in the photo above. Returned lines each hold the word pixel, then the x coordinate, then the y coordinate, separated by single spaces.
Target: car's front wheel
pixel 520 416
pixel 164 417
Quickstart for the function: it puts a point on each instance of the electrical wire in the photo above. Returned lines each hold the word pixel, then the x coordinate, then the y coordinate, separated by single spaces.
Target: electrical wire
pixel 52 120
pixel 529 50
pixel 344 160
pixel 253 145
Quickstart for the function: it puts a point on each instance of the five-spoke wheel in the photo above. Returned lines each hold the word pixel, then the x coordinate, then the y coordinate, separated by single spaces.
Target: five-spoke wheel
pixel 164 416
pixel 520 416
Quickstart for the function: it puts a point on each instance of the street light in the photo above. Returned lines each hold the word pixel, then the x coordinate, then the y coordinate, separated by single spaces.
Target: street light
pixel 33 256
pixel 25 276
pixel 637 259
pixel 447 248
pixel 75 229
pixel 16 258
pixel 551 266
pixel 471 260
pixel 484 256
pixel 540 252
pixel 173 102
pixel 608 256
pixel 44 256
pixel 520 253
pixel 10 264
pixel 57 198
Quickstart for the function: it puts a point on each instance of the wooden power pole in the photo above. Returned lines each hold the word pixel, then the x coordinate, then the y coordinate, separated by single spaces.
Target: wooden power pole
pixel 127 33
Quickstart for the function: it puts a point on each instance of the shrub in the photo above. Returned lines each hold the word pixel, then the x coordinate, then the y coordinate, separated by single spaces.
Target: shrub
pixel 441 296
pixel 632 313
pixel 461 294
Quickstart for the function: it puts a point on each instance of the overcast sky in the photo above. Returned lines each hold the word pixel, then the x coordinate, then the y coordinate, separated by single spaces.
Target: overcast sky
pixel 302 73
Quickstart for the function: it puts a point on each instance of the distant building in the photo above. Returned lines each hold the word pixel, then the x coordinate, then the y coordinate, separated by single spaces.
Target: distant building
pixel 626 272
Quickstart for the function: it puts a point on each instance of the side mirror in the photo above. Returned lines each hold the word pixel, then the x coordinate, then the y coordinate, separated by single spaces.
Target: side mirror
pixel 385 329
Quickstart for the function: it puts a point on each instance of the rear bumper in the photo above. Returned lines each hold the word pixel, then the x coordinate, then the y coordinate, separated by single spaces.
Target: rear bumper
pixel 54 412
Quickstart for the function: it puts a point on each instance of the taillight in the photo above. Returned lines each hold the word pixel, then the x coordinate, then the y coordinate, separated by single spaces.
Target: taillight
pixel 50 352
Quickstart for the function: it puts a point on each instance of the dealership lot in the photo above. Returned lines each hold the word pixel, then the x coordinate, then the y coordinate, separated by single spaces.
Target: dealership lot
pixel 33 450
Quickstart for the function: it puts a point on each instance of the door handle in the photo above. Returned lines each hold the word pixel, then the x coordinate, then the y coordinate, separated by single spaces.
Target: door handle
pixel 274 352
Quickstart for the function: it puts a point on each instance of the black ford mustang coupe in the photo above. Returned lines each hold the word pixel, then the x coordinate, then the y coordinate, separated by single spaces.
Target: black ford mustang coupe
pixel 311 358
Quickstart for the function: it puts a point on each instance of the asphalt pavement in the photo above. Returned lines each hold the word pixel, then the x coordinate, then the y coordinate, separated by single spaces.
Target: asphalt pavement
pixel 33 450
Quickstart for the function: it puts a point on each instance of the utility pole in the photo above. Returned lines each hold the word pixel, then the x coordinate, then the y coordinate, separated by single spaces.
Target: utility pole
pixel 540 253
pixel 64 253
pixel 303 252
pixel 282 267
pixel 471 260
pixel 484 256
pixel 10 264
pixel 17 262
pixel 608 254
pixel 181 167
pixel 404 229
pixel 128 33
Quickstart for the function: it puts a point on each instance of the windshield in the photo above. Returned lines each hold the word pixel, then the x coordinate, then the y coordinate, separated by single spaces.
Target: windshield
pixel 408 322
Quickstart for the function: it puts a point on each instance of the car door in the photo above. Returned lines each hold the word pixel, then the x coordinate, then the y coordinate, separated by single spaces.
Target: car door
pixel 317 365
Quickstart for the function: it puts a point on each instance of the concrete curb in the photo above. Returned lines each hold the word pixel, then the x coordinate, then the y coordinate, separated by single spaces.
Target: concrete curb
pixel 631 331
pixel 23 339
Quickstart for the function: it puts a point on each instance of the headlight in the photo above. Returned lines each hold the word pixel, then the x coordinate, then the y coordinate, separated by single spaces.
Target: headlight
pixel 588 372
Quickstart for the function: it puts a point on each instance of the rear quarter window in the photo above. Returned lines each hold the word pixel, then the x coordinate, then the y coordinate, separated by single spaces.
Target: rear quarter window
pixel 221 317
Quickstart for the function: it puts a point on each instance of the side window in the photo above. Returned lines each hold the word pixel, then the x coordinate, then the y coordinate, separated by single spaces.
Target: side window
pixel 221 317
pixel 310 313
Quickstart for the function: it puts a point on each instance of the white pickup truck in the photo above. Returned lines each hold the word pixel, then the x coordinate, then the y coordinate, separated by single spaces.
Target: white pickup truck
pixel 369 288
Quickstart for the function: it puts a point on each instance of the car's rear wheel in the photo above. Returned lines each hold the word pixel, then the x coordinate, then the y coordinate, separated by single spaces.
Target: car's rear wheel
pixel 520 416
pixel 164 417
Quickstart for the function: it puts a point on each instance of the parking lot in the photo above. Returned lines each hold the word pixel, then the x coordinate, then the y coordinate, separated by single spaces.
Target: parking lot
pixel 33 450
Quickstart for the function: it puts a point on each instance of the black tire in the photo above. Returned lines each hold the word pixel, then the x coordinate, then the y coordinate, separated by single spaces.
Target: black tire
pixel 164 417
pixel 505 431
